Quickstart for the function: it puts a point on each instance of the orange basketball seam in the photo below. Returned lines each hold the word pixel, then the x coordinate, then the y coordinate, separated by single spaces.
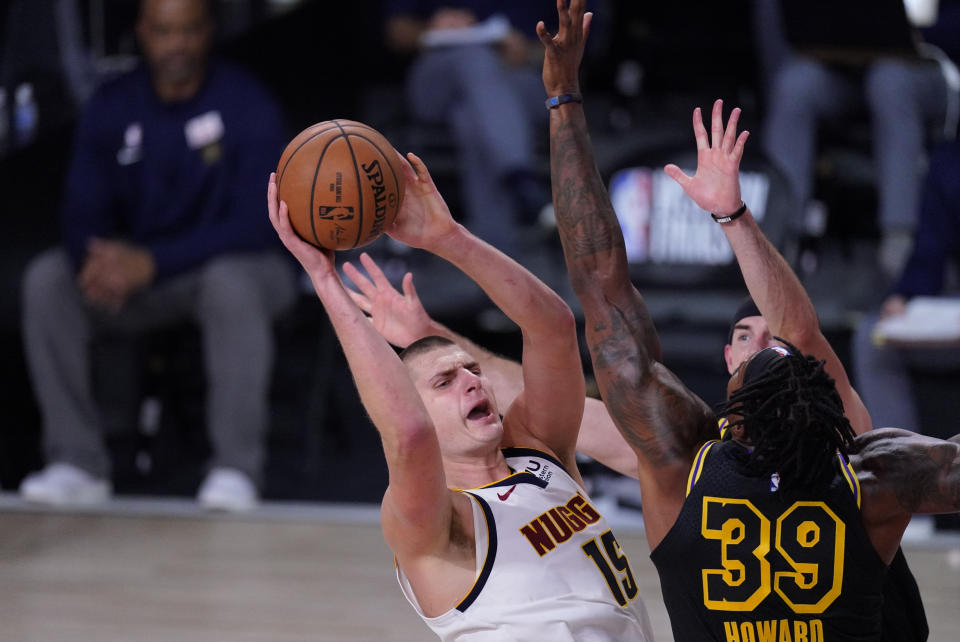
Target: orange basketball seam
pixel 298 148
pixel 313 185
pixel 356 172
pixel 383 155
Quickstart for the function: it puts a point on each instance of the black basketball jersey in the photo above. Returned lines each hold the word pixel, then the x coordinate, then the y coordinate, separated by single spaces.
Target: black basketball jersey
pixel 743 563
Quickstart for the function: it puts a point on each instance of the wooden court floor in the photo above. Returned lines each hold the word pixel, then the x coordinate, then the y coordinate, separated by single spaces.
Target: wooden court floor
pixel 161 570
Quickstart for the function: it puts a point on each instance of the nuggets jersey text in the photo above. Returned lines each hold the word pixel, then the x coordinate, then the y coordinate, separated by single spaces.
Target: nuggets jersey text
pixel 548 565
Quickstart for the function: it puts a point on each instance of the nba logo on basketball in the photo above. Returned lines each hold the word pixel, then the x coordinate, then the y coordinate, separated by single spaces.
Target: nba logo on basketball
pixel 335 213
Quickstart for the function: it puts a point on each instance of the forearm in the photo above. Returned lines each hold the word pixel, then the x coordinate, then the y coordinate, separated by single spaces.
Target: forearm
pixel 590 233
pixel 652 409
pixel 525 299
pixel 382 381
pixel 933 484
pixel 773 285
pixel 909 472
pixel 788 310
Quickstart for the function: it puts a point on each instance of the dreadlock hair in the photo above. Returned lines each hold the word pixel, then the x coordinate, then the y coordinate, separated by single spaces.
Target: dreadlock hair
pixel 791 412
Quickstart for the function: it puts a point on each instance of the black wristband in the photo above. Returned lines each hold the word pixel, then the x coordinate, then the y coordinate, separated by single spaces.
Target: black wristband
pixel 555 101
pixel 726 218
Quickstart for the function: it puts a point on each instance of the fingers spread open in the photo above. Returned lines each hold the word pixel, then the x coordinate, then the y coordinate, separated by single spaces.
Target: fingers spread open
pixel 738 147
pixel 717 124
pixel 409 173
pixel 699 131
pixel 423 174
pixel 359 279
pixel 677 174
pixel 376 274
pixel 361 300
pixel 563 18
pixel 730 135
pixel 408 289
pixel 545 36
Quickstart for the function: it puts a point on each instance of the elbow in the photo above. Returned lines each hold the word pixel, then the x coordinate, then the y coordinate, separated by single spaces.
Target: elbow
pixel 562 320
pixel 803 325
pixel 600 281
pixel 552 313
pixel 410 440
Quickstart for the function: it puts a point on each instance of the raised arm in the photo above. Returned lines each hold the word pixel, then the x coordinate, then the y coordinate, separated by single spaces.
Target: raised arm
pixel 401 318
pixel 547 412
pixel 902 473
pixel 662 420
pixel 773 285
pixel 417 508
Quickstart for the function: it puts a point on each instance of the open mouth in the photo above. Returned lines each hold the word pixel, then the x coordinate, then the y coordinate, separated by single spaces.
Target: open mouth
pixel 480 411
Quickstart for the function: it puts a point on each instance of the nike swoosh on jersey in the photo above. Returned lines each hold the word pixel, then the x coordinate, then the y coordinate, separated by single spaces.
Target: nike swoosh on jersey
pixel 503 497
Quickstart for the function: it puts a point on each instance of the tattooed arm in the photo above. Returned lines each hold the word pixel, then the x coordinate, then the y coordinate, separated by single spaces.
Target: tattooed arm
pixel 662 420
pixel 902 473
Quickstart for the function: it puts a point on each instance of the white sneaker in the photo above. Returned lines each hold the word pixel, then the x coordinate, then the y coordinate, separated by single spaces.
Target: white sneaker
pixel 62 484
pixel 228 489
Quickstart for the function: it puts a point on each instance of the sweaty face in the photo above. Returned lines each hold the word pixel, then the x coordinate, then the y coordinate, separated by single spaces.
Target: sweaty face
pixel 750 336
pixel 458 398
pixel 175 36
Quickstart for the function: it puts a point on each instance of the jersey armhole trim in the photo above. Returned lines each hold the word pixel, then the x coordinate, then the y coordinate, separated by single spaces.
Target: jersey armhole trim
pixel 697 467
pixel 851 476
pixel 723 424
pixel 484 574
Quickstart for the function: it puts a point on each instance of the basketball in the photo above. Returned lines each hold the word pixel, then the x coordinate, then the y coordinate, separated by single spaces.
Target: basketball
pixel 342 183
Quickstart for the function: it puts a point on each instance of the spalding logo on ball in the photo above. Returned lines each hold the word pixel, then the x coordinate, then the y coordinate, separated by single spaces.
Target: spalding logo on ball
pixel 342 183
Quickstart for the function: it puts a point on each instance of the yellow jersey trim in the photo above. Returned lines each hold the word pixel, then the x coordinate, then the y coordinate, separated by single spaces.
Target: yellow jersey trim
pixel 851 476
pixel 697 467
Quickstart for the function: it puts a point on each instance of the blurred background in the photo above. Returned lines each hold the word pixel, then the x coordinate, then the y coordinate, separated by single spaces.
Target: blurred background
pixel 648 66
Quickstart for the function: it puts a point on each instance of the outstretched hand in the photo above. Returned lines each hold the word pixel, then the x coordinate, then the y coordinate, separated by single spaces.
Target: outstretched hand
pixel 716 185
pixel 314 260
pixel 563 52
pixel 424 218
pixel 399 318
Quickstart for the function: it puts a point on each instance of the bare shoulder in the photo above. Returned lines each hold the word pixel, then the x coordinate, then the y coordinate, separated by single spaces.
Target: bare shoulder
pixel 441 570
pixel 444 531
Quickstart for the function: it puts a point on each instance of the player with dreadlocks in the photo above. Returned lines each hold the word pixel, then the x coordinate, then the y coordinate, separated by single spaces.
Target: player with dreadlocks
pixel 789 522
pixel 738 560
pixel 792 417
pixel 772 517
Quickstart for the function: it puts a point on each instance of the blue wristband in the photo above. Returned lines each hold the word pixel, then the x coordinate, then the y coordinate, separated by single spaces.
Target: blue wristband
pixel 555 101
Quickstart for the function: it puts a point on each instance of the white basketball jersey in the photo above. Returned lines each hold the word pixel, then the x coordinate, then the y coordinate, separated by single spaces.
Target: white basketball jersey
pixel 548 565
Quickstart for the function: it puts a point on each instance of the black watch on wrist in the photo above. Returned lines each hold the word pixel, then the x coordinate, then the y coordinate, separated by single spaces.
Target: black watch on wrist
pixel 726 218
